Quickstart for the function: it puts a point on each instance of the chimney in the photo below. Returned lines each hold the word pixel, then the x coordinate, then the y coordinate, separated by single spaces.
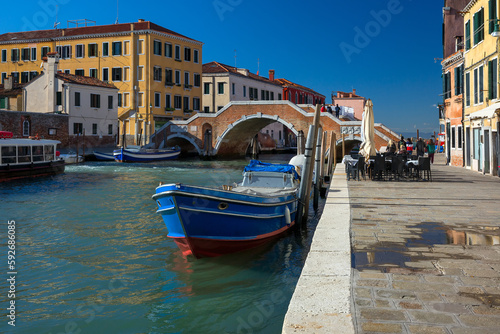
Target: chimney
pixel 243 71
pixel 271 75
pixel 8 83
pixel 354 91
pixel 141 20
pixel 50 70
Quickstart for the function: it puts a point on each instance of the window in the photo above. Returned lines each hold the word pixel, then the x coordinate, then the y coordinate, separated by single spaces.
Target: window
pixel 126 73
pixel 67 71
pixel 93 52
pixel 116 74
pixel 64 51
pixel 120 97
pixel 77 128
pixel 267 95
pixel 467 89
pixel 126 48
pixel 244 91
pixel 233 88
pixel 80 72
pixel 478 21
pixel 93 72
pixel 197 79
pixel 272 95
pixel 95 100
pixel 206 109
pixel 446 86
pixel 25 54
pixel 459 80
pixel 279 96
pixel 459 137
pixel 105 74
pixel 140 99
pixel 58 98
pixel 140 47
pixel 186 79
pixel 33 54
pixel 168 77
pixel 186 103
pixel 168 103
pixel 80 50
pixel 25 77
pixel 110 129
pixel 117 48
pixel 77 99
pixel 14 55
pixel 453 137
pixel 26 128
pixel 168 50
pixel 4 56
pixel 33 74
pixel 105 49
pixel 220 88
pixel 262 94
pixel 196 103
pixel 206 88
pixel 196 56
pixel 15 77
pixel 45 50
pixel 478 85
pixel 492 79
pixel 187 54
pixel 492 6
pixel 94 128
pixel 177 77
pixel 177 52
pixel 126 99
pixel 110 101
pixel 140 73
pixel 177 102
pixel 157 100
pixel 157 48
pixel 157 71
pixel 4 76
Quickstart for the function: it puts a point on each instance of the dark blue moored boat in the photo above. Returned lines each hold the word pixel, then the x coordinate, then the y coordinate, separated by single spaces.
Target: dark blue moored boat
pixel 145 155
pixel 207 222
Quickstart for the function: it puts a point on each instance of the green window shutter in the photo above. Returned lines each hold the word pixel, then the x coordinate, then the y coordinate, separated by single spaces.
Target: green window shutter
pixel 490 77
pixel 2 102
pixel 467 35
pixel 58 98
pixel 457 81
pixel 491 11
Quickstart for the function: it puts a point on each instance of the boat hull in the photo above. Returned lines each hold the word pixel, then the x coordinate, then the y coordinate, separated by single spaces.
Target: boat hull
pixel 104 156
pixel 17 171
pixel 207 222
pixel 124 155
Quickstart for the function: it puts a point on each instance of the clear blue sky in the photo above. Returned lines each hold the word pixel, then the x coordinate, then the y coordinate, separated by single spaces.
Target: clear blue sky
pixel 384 49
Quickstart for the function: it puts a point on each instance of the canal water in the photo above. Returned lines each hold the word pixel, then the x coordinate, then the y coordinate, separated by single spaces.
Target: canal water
pixel 92 256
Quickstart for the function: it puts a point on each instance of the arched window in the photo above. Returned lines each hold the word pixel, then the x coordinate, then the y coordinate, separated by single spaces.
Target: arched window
pixel 26 128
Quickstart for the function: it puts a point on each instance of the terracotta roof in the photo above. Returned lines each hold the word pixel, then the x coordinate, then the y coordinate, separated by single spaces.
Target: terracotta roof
pixel 83 80
pixel 89 30
pixel 16 90
pixel 216 67
pixel 285 82
pixel 347 95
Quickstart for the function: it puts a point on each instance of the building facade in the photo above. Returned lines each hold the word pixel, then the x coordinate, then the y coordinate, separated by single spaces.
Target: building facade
pixel 481 70
pixel 223 84
pixel 351 100
pixel 296 93
pixel 157 71
pixel 451 111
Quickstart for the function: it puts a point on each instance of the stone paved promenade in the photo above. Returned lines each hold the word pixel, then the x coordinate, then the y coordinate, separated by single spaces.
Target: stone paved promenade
pixel 426 255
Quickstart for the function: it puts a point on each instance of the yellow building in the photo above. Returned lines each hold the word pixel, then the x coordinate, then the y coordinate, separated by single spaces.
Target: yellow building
pixel 481 95
pixel 157 71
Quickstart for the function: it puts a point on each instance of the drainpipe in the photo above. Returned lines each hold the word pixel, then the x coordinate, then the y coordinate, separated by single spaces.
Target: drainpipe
pixel 213 94
pixel 463 115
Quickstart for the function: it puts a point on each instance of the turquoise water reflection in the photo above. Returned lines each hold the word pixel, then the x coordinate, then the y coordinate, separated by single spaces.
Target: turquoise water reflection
pixel 93 257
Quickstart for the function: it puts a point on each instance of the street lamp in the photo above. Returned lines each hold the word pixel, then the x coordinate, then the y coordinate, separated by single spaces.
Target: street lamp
pixel 496 30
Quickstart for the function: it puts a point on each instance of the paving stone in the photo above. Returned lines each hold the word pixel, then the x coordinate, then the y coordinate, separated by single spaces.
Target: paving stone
pixel 480 321
pixel 417 286
pixel 470 289
pixel 486 310
pixel 410 305
pixel 363 293
pixel 373 282
pixel 429 296
pixel 418 329
pixel 469 330
pixel 476 272
pixel 395 294
pixel 450 308
pixel 383 303
pixel 431 317
pixel 381 327
pixel 381 314
pixel 401 277
pixel 364 302
pixel 440 279
pixel 372 274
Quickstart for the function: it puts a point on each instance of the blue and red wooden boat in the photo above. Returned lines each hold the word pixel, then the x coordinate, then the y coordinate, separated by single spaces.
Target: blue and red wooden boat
pixel 207 222
pixel 145 155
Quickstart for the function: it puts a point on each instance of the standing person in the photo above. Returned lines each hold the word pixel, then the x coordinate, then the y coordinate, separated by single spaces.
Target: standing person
pixel 431 148
pixel 337 111
pixel 420 147
pixel 409 146
pixel 329 109
pixel 323 108
pixel 402 142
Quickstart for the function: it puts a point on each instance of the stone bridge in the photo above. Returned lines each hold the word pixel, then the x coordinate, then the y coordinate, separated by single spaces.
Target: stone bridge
pixel 233 127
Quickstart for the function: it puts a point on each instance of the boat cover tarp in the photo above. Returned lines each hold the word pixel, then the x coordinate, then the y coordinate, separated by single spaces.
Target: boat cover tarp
pixel 259 166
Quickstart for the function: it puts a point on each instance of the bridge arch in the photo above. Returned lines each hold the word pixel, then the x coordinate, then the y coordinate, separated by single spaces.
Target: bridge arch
pixel 238 134
pixel 174 136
